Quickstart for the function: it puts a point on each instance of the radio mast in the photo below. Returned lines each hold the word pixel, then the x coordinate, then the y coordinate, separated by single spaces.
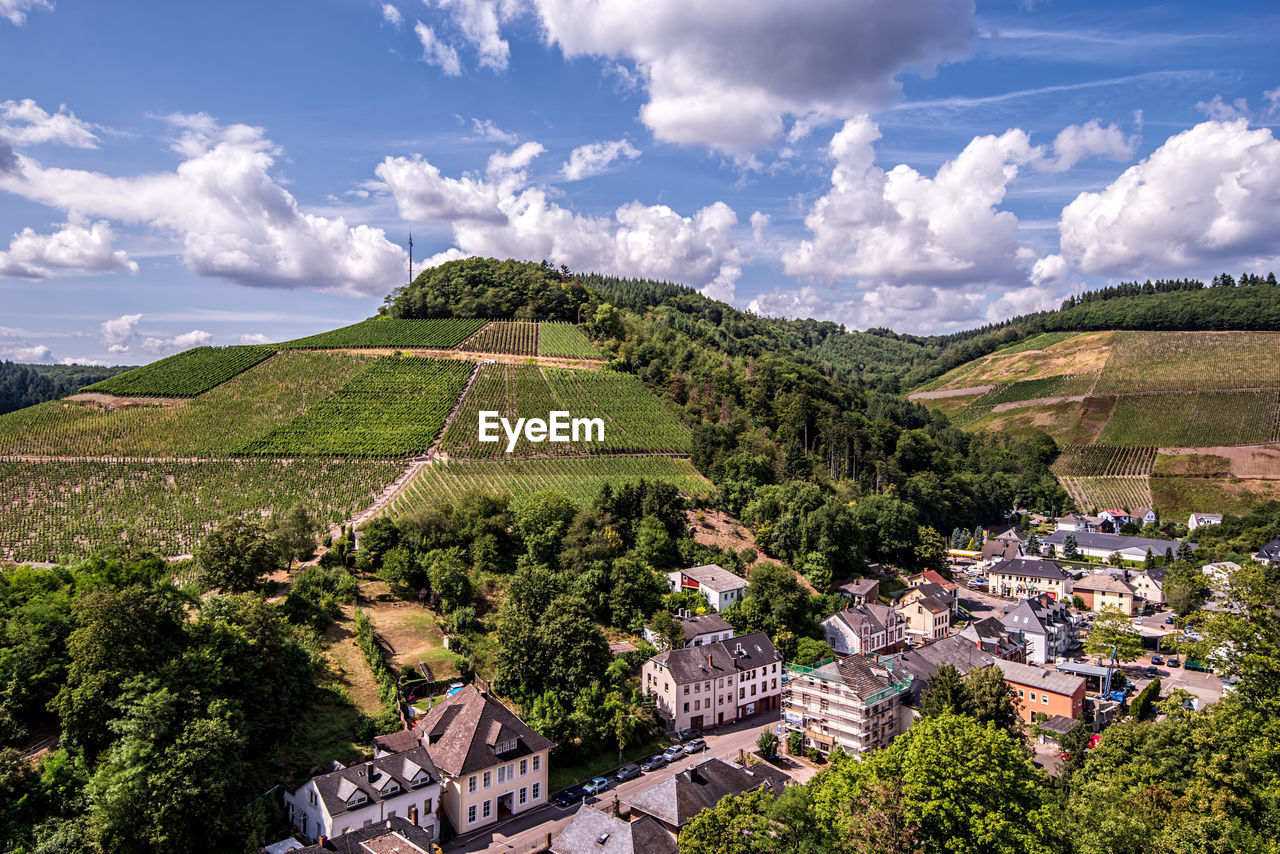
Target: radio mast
pixel 411 257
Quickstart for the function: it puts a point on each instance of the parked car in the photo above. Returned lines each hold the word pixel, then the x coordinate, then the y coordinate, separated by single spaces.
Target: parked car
pixel 627 772
pixel 1173 662
pixel 1152 672
pixel 595 785
pixel 672 753
pixel 1157 659
pixel 1198 666
pixel 654 762
pixel 686 734
pixel 694 745
pixel 571 795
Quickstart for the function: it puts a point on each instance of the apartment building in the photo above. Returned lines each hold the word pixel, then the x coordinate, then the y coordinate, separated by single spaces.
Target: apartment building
pixel 1045 625
pixel 1029 577
pixel 855 703
pixel 716 683
pixel 865 630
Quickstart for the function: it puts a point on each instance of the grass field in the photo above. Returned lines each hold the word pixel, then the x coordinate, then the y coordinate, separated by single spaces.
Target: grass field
pixel 1178 497
pixel 564 339
pixel 1171 361
pixel 1036 342
pixel 380 332
pixel 580 478
pixel 1069 422
pixel 184 374
pixel 1201 418
pixel 1062 385
pixel 1077 353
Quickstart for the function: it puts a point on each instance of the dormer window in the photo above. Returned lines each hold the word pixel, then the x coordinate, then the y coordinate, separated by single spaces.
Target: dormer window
pixel 419 779
pixel 392 788
pixel 357 800
pixel 505 746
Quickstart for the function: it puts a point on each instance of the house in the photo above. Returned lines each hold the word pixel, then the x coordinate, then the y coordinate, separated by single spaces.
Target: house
pixel 1029 577
pixel 717 683
pixel 393 836
pixel 1149 586
pixel 1200 519
pixel 1077 522
pixel 1038 690
pixel 405 785
pixel 1008 534
pixel 719 586
pixel 997 550
pixel 1145 516
pixel 922 664
pixel 1269 554
pixel 990 636
pixel 677 799
pixel 1219 574
pixel 865 630
pixel 1117 518
pixel 698 631
pixel 854 703
pixel 492 763
pixel 595 831
pixel 861 591
pixel 949 591
pixel 926 613
pixel 1102 545
pixel 1045 625
pixel 1102 590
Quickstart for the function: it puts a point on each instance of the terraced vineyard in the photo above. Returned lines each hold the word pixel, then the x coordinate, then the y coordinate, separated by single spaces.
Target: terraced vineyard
pixel 54 509
pixel 578 477
pixel 1097 493
pixel 392 408
pixel 383 332
pixel 1175 361
pixel 516 338
pixel 186 374
pixel 1061 385
pixel 564 339
pixel 1105 461
pixel 1192 420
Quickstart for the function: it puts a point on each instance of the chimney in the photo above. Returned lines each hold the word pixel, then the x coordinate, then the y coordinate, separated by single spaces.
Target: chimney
pixel 322 840
pixel 413 815
pixel 708 661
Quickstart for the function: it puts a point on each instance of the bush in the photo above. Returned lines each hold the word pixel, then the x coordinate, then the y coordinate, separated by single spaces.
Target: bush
pixel 1145 701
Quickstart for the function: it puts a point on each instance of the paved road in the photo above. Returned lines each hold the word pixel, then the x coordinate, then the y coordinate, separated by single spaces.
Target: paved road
pixel 527 831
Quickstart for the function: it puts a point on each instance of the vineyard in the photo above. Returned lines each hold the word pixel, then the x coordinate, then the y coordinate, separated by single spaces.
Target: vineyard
pixel 579 477
pixel 1195 419
pixel 186 374
pixel 634 420
pixel 1097 493
pixel 1105 461
pixel 1062 385
pixel 516 338
pixel 1173 361
pixel 442 334
pixel 393 408
pixel 564 339
pixel 214 424
pixel 54 509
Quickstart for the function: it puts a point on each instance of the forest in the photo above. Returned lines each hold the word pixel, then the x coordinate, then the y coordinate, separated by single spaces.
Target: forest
pixel 26 385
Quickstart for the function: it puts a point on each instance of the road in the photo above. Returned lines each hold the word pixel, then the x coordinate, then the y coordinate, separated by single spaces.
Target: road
pixel 527 831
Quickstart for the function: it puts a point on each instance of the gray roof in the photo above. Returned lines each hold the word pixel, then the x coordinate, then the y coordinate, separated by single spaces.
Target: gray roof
pixel 706 624
pixel 715 577
pixel 679 798
pixel 1031 567
pixel 923 663
pixel 991 636
pixel 1081 668
pixel 463 731
pixel 1111 542
pixel 1035 615
pixel 1105 582
pixel 1271 551
pixel 1058 725
pixel 873 615
pixel 391 836
pixel 933 598
pixel 1038 677
pixel 396 771
pixel 859 587
pixel 1003 549
pixel 590 826
pixel 712 660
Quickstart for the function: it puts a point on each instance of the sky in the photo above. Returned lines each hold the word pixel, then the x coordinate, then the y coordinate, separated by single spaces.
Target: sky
pixel 178 174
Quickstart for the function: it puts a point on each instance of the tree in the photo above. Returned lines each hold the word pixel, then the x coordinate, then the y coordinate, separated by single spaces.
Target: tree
pixel 1070 548
pixel 990 698
pixel 236 554
pixel 449 578
pixel 931 553
pixel 817 570
pixel 767 744
pixel 295 533
pixel 542 520
pixel 1243 641
pixel 1033 543
pixel 946 694
pixel 653 543
pixel 667 629
pixel 1113 630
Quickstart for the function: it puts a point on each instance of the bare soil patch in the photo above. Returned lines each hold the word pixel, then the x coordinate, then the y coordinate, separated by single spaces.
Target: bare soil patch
pixel 720 529
pixel 411 631
pixel 1242 461
pixel 111 401
pixel 950 392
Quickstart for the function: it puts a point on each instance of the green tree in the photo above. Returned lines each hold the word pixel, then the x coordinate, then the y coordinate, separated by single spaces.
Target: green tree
pixel 1070 547
pixel 990 699
pixel 234 555
pixel 767 744
pixel 1243 641
pixel 931 553
pixel 1113 630
pixel 542 520
pixel 653 544
pixel 295 534
pixel 946 694
pixel 817 570
pixel 449 578
pixel 667 629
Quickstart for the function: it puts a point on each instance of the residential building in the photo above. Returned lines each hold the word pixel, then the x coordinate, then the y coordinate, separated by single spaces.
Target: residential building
pixel 677 799
pixel 1198 520
pixel 855 703
pixel 1029 577
pixel 493 764
pixel 1149 586
pixel 393 836
pixel 927 616
pixel 1101 545
pixel 861 591
pixel 698 631
pixel 865 630
pixel 714 684
pixel 1219 574
pixel 405 785
pixel 595 831
pixel 947 590
pixel 1076 522
pixel 1269 554
pixel 1145 516
pixel 1008 534
pixel 1117 518
pixel 997 550
pixel 1038 690
pixel 1104 590
pixel 719 586
pixel 1046 627
pixel 990 636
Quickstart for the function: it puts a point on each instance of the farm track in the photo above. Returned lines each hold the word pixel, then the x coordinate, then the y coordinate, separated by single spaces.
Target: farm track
pixel 433 450
pixel 577 364
pixel 388 495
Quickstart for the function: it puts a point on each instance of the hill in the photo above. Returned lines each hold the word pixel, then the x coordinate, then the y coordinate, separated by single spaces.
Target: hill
pixel 26 385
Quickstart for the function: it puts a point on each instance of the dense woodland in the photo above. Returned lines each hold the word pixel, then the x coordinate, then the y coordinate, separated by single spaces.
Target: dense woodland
pixel 27 385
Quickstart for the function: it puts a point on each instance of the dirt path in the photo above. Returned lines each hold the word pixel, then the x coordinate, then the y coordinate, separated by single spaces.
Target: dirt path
pixel 111 401
pixel 473 355
pixel 950 392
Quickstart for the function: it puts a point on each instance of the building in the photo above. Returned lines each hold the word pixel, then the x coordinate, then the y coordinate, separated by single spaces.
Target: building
pixel 1104 590
pixel 1117 518
pixel 1149 586
pixel 861 591
pixel 994 639
pixel 677 799
pixel 1145 516
pixel 1075 522
pixel 594 831
pixel 719 586
pixel 1009 534
pixel 1037 690
pixel 998 550
pixel 854 703
pixel 865 630
pixel 1046 627
pixel 927 615
pixel 698 631
pixel 393 836
pixel 405 785
pixel 492 764
pixel 714 684
pixel 1269 554
pixel 1029 577
pixel 1219 574
pixel 1101 545
pixel 948 591
pixel 1200 519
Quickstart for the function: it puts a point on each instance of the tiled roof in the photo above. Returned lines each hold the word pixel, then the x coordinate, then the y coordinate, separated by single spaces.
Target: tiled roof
pixel 932 604
pixel 1004 549
pixel 1103 582
pixel 859 587
pixel 1038 677
pixel 1031 567
pixel 712 660
pixel 715 577
pixel 374 778
pixel 705 624
pixel 1035 615
pixel 391 836
pixel 874 616
pixel 590 826
pixel 463 731
pixel 1111 542
pixel 990 636
pixel 679 798
pixel 863 674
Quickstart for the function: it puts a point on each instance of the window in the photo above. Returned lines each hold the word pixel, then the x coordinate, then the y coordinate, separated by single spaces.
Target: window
pixel 426 808
pixel 697 689
pixel 486 809
pixel 537 763
pixel 537 790
pixel 1033 696
pixel 312 795
pixel 471 783
pixel 753 690
pixel 1044 699
pixel 488 779
pixel 686 690
pixel 524 794
pixel 742 693
pixel 524 767
pixel 502 774
pixel 686 707
pixel 775 683
pixel 707 687
pixel 471 814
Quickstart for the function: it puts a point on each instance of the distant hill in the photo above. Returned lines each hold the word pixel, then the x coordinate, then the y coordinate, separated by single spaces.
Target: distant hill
pixel 26 385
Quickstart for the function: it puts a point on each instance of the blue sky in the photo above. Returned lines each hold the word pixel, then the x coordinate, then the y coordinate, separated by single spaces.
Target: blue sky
pixel 174 174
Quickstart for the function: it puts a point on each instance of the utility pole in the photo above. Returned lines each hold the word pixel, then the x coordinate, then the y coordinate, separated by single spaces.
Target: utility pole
pixel 411 257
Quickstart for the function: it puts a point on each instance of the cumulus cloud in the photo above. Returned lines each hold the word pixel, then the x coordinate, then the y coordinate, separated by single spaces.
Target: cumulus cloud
pixel 478 22
pixel 236 222
pixel 1207 197
pixel 1077 142
pixel 185 341
pixel 489 132
pixel 436 52
pixel 923 308
pixel 1220 111
pixel 24 123
pixel 1050 270
pixel 20 353
pixel 119 333
pixel 16 10
pixel 76 248
pixel 254 338
pixel 725 73
pixel 504 214
pixel 595 158
pixel 391 15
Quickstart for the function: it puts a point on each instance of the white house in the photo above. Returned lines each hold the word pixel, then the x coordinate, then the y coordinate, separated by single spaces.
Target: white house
pixel 1077 522
pixel 865 630
pixel 1149 586
pixel 1270 553
pixel 1200 519
pixel 698 631
pixel 719 586
pixel 1117 518
pixel 1145 516
pixel 404 785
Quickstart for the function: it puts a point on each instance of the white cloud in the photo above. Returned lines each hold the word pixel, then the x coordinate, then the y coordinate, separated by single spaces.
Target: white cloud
pixel 595 158
pixel 254 338
pixel 1272 97
pixel 1208 197
pixel 921 308
pixel 436 52
pixel 489 132
pixel 234 219
pixel 724 73
pixel 503 214
pixel 76 248
pixel 38 353
pixel 16 10
pixel 478 22
pixel 1050 270
pixel 1076 142
pixel 24 123
pixel 391 15
pixel 1220 111
pixel 118 334
pixel 72 360
pixel 185 341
